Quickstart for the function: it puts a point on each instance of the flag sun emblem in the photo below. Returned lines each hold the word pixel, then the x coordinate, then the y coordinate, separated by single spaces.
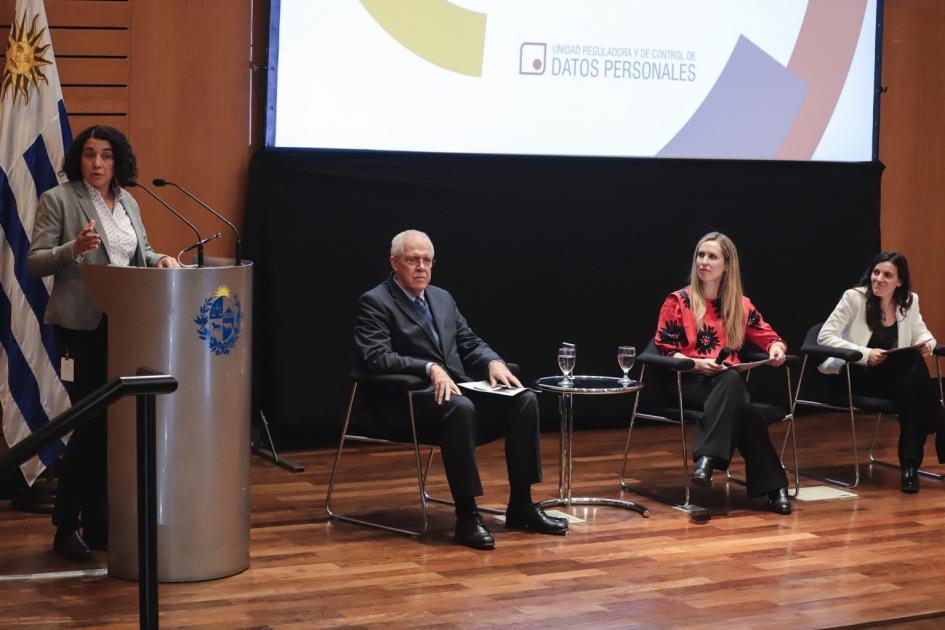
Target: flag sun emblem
pixel 219 320
pixel 24 60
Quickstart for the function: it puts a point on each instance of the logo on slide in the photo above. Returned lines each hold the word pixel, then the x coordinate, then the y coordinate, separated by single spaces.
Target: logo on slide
pixel 219 320
pixel 531 58
pixel 444 34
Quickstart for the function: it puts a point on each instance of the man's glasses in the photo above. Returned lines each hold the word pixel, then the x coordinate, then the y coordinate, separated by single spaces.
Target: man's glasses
pixel 414 261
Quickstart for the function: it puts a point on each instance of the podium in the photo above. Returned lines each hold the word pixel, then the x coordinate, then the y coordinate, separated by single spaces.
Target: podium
pixel 195 324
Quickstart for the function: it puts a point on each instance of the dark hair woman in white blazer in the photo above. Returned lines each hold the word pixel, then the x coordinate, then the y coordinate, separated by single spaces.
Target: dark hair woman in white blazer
pixel 878 315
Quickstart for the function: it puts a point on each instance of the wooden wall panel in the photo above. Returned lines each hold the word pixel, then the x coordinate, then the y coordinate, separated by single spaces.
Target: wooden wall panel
pixel 190 113
pixel 912 146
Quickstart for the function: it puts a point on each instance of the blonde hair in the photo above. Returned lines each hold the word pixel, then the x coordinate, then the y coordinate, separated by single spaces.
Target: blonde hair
pixel 730 290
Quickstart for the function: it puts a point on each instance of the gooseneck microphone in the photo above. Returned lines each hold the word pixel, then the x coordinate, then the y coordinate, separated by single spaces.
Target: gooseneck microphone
pixel 724 353
pixel 239 246
pixel 200 241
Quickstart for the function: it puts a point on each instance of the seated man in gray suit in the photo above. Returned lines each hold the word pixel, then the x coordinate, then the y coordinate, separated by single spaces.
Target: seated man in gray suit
pixel 406 326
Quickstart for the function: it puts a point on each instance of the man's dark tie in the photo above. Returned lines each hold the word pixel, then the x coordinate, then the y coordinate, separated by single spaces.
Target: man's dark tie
pixel 427 317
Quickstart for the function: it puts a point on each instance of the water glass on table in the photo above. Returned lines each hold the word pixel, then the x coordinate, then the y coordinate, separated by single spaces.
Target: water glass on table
pixel 626 355
pixel 567 356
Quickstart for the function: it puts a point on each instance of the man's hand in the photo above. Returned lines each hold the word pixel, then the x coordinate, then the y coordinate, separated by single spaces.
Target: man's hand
pixel 443 385
pixel 776 352
pixel 499 373
pixel 925 350
pixel 168 263
pixel 875 357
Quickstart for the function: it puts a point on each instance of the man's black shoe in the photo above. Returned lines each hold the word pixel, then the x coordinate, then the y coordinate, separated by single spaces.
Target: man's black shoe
pixel 779 501
pixel 702 473
pixel 69 545
pixel 910 480
pixel 532 518
pixel 472 532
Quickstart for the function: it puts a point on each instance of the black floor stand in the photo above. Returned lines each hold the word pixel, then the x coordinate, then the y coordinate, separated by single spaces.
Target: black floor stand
pixel 270 453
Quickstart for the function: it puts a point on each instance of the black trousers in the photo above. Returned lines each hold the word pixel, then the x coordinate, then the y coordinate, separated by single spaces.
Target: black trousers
pixel 904 377
pixel 473 418
pixel 729 422
pixel 81 497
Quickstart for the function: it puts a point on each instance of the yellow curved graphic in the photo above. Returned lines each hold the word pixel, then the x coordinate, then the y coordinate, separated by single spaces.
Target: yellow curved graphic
pixel 436 30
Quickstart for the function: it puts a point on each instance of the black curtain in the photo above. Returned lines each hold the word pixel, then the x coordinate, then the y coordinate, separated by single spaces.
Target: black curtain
pixel 535 250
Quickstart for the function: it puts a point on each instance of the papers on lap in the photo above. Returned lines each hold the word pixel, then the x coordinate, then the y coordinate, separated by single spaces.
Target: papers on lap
pixel 484 386
pixel 742 367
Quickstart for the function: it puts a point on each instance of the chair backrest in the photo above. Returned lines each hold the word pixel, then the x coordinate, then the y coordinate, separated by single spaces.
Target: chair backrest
pixel 812 333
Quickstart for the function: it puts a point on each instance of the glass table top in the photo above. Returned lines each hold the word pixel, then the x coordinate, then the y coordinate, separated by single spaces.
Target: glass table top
pixel 585 384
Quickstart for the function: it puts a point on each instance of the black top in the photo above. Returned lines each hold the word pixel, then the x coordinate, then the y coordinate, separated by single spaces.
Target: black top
pixel 885 338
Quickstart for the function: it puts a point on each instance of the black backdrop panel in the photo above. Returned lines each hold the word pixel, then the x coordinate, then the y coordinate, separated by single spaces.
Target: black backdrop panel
pixel 535 250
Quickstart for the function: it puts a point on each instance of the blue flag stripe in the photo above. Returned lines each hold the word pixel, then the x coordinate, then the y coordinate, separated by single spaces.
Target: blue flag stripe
pixel 40 166
pixel 64 127
pixel 33 288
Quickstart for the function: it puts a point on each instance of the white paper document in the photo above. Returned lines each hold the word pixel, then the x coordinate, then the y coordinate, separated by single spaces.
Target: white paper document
pixel 742 367
pixel 484 386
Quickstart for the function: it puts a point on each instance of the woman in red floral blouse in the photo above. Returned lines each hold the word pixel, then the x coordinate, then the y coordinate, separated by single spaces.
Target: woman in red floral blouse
pixel 696 323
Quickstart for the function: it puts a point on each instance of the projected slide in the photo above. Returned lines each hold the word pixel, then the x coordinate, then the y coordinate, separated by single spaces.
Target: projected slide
pixel 742 79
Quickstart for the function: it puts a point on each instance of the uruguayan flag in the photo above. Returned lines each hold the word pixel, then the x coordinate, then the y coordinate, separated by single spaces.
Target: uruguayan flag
pixel 34 134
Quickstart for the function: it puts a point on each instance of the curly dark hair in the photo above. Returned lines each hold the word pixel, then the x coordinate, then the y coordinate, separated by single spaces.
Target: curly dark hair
pixel 902 296
pixel 126 165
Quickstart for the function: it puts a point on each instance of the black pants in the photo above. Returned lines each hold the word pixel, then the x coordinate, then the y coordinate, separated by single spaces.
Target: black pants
pixel 81 497
pixel 729 422
pixel 473 418
pixel 904 377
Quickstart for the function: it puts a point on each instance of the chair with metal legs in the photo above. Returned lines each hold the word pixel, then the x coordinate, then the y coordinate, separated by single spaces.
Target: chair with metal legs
pixel 650 359
pixel 852 403
pixel 390 396
pixel 816 353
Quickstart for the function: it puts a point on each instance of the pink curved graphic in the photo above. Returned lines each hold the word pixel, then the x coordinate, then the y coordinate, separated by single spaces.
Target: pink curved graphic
pixel 821 58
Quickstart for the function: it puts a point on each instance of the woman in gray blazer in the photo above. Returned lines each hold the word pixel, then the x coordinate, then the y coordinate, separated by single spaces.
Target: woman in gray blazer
pixel 879 315
pixel 92 220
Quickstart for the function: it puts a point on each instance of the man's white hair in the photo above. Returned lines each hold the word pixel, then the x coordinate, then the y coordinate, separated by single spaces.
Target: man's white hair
pixel 397 243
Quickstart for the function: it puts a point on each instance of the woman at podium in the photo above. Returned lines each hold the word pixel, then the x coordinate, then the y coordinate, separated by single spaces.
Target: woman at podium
pixel 708 322
pixel 90 219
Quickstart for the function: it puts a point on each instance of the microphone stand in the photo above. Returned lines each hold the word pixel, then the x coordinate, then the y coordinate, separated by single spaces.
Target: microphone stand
pixel 239 246
pixel 200 241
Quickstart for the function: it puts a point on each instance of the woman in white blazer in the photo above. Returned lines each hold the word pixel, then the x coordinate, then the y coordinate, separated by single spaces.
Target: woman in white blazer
pixel 89 220
pixel 881 314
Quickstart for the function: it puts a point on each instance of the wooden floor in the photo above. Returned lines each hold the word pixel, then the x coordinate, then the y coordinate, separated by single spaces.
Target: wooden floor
pixel 873 560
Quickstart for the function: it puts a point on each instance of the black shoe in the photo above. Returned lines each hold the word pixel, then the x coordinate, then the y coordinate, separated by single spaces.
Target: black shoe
pixel 532 518
pixel 69 545
pixel 910 480
pixel 779 501
pixel 702 473
pixel 96 539
pixel 472 532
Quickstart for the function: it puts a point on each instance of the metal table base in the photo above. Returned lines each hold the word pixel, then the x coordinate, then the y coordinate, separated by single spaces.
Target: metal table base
pixel 567 391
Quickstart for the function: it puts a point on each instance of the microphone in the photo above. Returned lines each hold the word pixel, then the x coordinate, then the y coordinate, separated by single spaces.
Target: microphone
pixel 177 214
pixel 724 353
pixel 202 242
pixel 239 246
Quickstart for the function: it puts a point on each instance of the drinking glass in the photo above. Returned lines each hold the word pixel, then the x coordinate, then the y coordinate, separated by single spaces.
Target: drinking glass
pixel 626 355
pixel 566 359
